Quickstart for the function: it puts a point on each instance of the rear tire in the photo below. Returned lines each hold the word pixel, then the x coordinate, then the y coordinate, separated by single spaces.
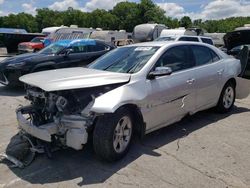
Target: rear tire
pixel 227 98
pixel 112 135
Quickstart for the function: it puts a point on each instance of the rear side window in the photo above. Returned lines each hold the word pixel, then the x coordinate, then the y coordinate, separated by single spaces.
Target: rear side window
pixel 207 41
pixel 194 39
pixel 79 47
pixel 177 58
pixel 202 55
pixel 98 47
pixel 214 56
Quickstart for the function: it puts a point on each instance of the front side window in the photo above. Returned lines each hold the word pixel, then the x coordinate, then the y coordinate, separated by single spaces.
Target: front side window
pixel 53 48
pixel 125 60
pixel 202 55
pixel 177 58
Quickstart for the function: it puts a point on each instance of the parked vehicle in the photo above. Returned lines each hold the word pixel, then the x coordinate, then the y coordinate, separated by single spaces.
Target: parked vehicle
pixel 109 36
pixel 67 33
pixel 123 42
pixel 217 38
pixel 177 32
pixel 34 45
pixel 147 32
pixel 234 43
pixel 49 30
pixel 61 54
pixel 202 39
pixel 11 37
pixel 133 89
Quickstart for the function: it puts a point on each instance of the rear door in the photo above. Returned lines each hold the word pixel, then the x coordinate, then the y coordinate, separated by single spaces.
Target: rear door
pixel 84 53
pixel 209 71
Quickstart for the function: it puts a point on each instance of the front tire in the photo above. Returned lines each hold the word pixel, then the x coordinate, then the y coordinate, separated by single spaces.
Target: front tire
pixel 112 135
pixel 227 98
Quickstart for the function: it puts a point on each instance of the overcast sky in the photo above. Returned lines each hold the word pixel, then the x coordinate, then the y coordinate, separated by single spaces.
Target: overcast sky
pixel 204 9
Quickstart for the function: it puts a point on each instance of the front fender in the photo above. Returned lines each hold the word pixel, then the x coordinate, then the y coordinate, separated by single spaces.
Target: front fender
pixel 130 93
pixel 45 64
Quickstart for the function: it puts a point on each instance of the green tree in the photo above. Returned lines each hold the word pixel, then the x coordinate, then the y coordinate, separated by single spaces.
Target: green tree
pixel 21 20
pixel 127 14
pixel 150 12
pixel 102 19
pixel 74 17
pixel 185 22
pixel 47 18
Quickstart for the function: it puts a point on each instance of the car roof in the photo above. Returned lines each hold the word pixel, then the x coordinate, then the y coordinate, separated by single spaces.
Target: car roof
pixel 67 42
pixel 168 43
pixel 153 43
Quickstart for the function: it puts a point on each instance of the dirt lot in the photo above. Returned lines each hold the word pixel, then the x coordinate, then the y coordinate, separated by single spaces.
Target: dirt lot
pixel 205 150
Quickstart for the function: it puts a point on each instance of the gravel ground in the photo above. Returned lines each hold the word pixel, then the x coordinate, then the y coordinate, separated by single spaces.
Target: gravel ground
pixel 205 150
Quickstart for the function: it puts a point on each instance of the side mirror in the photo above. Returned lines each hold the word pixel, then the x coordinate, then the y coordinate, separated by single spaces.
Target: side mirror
pixel 160 71
pixel 67 52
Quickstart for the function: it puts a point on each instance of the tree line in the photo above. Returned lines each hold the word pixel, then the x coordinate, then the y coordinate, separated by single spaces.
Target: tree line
pixel 124 15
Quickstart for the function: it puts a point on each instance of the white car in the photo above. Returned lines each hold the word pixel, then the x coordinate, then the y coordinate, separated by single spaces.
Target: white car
pixel 203 39
pixel 133 89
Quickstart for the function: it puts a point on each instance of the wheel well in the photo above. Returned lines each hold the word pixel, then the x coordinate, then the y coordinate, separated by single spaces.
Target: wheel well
pixel 137 118
pixel 232 80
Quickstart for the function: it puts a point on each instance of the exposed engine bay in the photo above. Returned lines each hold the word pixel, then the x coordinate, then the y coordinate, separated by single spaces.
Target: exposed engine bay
pixel 58 119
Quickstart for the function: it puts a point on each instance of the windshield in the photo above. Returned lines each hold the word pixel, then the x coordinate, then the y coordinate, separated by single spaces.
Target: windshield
pixel 165 39
pixel 125 60
pixel 37 40
pixel 54 48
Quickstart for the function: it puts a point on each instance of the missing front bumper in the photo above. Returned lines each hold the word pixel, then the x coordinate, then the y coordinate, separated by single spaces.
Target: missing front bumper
pixel 42 132
pixel 71 128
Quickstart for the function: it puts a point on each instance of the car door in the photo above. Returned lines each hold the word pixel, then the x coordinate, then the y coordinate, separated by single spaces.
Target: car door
pixel 82 53
pixel 96 51
pixel 209 74
pixel 171 97
pixel 78 54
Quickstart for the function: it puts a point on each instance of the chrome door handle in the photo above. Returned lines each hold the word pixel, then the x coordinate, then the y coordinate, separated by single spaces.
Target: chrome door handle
pixel 190 81
pixel 220 71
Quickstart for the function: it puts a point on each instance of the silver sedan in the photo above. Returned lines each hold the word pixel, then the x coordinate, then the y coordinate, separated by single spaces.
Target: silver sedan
pixel 133 89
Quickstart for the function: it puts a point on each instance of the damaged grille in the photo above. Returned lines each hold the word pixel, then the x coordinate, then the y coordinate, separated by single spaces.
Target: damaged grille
pixel 48 105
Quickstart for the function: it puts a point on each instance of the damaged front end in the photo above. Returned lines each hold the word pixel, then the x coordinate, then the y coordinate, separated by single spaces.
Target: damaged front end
pixel 64 116
pixel 58 119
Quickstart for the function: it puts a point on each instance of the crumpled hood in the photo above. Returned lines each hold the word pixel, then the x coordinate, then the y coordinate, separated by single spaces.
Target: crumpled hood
pixel 73 78
pixel 236 38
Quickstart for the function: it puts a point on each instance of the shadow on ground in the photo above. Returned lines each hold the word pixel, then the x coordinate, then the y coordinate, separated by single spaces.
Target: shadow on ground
pixel 69 164
pixel 12 92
